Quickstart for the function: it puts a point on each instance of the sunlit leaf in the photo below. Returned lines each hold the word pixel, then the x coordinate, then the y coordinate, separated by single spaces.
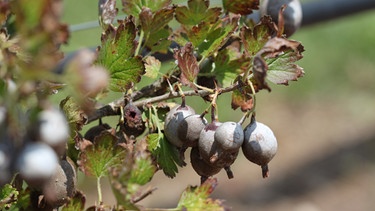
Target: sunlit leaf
pixel 218 37
pixel 117 55
pixel 102 155
pixel 229 63
pixel 254 39
pixel 242 7
pixel 242 97
pixel 196 12
pixel 167 156
pixel 134 7
pixel 276 59
pixel 197 198
pixel 187 63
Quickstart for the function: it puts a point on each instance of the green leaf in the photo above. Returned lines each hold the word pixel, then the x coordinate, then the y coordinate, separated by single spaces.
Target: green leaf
pixel 217 37
pixel 229 63
pixel 187 63
pixel 117 55
pixel 197 11
pixel 254 39
pixel 197 198
pixel 76 203
pixel 275 61
pixel 134 7
pixel 8 196
pixel 151 22
pixel 152 66
pixel 167 156
pixel 158 41
pixel 242 7
pixel 143 169
pixel 97 158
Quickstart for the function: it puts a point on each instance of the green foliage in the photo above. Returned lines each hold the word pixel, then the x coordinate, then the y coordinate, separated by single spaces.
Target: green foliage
pixel 117 54
pixel 97 158
pixel 211 43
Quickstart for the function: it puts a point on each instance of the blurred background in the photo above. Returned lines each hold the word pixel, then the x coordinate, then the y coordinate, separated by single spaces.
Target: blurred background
pixel 325 125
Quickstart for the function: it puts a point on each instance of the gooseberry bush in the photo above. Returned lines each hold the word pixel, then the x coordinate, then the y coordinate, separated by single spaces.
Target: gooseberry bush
pixel 189 51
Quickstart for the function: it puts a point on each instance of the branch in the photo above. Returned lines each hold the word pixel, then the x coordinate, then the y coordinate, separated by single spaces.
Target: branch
pixel 113 108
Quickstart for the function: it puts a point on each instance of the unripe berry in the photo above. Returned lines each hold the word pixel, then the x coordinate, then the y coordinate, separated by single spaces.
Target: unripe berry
pixel 172 121
pixel 260 145
pixel 190 128
pixel 230 136
pixel 292 13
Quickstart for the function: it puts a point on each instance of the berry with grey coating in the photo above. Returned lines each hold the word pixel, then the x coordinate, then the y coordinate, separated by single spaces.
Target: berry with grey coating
pixel 230 136
pixel 190 128
pixel 172 121
pixel 260 145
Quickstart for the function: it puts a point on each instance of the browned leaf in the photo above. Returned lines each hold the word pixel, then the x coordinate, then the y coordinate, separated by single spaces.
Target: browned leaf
pixel 242 97
pixel 242 7
pixel 187 63
pixel 276 61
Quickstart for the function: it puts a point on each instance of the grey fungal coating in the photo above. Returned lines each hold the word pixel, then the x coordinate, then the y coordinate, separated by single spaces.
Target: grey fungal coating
pixel 230 136
pixel 62 185
pixel 206 143
pixel 190 128
pixel 260 144
pixel 174 117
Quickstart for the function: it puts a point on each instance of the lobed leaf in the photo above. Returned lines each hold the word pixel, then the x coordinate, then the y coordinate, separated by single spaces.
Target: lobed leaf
pixel 276 62
pixel 117 55
pixel 254 39
pixel 242 7
pixel 99 157
pixel 134 7
pixel 167 156
pixel 197 11
pixel 217 37
pixel 197 198
pixel 187 63
pixel 229 63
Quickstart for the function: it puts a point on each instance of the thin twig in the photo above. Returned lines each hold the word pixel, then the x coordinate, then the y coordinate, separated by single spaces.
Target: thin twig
pixel 113 108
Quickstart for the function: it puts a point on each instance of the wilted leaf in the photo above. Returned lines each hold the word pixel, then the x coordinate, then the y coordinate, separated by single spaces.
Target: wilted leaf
pixel 197 11
pixel 117 55
pixel 242 97
pixel 134 7
pixel 242 7
pixel 102 155
pixel 280 54
pixel 197 198
pixel 167 156
pixel 254 39
pixel 107 12
pixel 74 114
pixel 187 63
